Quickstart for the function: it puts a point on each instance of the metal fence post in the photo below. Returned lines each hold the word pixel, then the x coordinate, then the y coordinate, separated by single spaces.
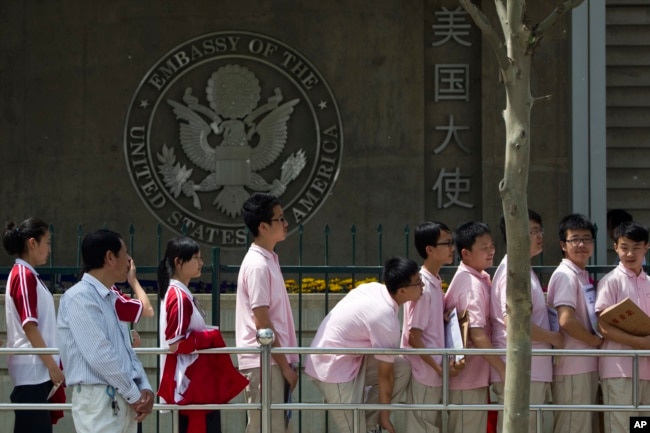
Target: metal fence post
pixel 265 338
pixel 216 286
pixel 175 421
pixel 445 390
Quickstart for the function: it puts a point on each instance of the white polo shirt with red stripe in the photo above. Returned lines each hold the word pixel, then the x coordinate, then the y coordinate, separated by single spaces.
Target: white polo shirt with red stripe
pixel 28 300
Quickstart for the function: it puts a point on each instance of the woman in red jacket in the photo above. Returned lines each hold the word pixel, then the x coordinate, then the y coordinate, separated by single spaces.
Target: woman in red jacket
pixel 189 377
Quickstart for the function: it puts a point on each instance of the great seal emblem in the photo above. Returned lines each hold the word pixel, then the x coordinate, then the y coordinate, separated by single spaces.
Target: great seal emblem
pixel 225 115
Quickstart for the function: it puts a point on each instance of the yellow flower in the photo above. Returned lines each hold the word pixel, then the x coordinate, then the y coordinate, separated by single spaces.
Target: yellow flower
pixel 317 285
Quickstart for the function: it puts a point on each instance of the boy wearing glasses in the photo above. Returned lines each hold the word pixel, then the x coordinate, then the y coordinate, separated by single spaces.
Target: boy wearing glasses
pixel 424 328
pixel 572 294
pixel 262 302
pixel 627 280
pixel 542 337
pixel 469 291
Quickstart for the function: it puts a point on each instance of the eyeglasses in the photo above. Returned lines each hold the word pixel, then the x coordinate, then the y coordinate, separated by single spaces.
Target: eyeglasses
pixel 577 241
pixel 448 244
pixel 420 283
pixel 536 231
pixel 281 219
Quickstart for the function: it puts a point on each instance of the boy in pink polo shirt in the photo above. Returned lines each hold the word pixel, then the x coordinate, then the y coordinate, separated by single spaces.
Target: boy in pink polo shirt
pixel 627 280
pixel 541 369
pixel 571 293
pixel 470 290
pixel 262 302
pixel 424 327
pixel 367 317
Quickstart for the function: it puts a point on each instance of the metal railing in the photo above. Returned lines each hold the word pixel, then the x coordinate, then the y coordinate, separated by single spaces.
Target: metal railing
pixel 216 272
pixel 265 338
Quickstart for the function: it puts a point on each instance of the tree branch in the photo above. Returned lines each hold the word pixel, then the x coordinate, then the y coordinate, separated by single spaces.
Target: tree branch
pixel 515 16
pixel 542 98
pixel 552 18
pixel 493 38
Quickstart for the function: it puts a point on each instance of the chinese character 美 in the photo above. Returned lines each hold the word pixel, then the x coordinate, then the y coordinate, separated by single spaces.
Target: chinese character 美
pixel 629 313
pixel 452 132
pixel 452 185
pixel 453 26
pixel 452 82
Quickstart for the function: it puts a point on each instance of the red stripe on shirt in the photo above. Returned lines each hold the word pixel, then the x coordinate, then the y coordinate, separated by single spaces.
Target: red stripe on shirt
pixel 179 310
pixel 127 308
pixel 23 288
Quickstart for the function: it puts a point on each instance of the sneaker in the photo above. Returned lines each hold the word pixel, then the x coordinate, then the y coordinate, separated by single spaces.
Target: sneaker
pixel 376 429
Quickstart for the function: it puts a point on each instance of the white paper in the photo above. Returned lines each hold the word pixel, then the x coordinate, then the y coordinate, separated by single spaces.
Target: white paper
pixel 53 390
pixel 589 293
pixel 553 319
pixel 453 336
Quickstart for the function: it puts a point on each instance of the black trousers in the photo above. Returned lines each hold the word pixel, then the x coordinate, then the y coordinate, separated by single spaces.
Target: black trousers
pixel 32 421
pixel 212 422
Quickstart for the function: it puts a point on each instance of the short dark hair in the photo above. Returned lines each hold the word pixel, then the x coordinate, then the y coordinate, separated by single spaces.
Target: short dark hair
pixel 467 233
pixel 532 216
pixel 258 209
pixel 14 238
pixel 427 234
pixel 631 230
pixel 575 221
pixel 96 244
pixel 616 217
pixel 398 272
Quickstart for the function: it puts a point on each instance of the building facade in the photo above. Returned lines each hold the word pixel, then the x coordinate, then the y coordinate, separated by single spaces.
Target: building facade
pixel 392 116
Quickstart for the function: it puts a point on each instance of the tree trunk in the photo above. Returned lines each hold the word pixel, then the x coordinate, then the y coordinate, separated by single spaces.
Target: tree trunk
pixel 515 66
pixel 513 189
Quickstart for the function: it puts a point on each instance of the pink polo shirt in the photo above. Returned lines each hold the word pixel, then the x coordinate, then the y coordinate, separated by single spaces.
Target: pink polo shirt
pixel 541 368
pixel 426 314
pixel 367 317
pixel 565 288
pixel 617 285
pixel 470 290
pixel 260 284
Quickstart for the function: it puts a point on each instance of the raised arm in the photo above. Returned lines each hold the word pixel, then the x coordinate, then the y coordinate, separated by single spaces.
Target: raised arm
pixel 139 292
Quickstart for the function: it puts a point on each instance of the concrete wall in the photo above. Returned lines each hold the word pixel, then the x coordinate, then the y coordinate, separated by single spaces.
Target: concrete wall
pixel 70 68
